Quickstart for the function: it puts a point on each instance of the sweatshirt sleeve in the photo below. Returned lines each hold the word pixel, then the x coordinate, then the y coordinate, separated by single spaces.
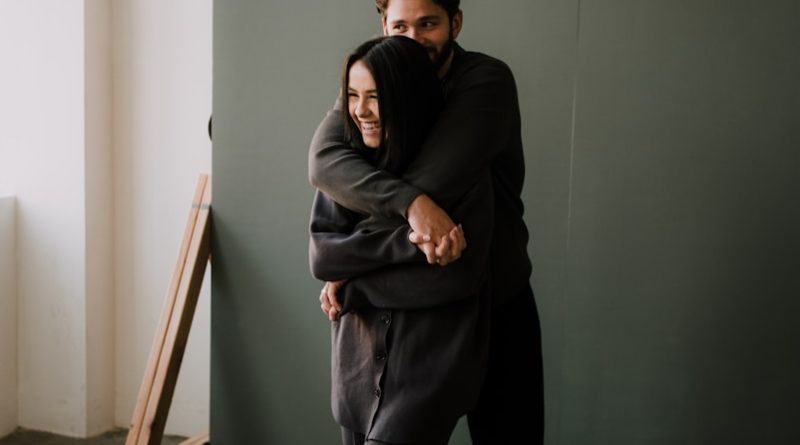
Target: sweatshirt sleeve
pixel 421 285
pixel 344 245
pixel 351 180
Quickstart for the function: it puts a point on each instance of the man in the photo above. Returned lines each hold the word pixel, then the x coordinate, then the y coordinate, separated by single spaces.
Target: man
pixel 479 127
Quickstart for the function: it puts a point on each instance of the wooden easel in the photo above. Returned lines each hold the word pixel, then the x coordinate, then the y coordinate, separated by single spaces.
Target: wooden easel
pixel 166 355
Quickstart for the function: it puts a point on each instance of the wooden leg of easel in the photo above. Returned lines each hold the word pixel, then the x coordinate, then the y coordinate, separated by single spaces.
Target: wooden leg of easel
pixel 158 386
pixel 200 439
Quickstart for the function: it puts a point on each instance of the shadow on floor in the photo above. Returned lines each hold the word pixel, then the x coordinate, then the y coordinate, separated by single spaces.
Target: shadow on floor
pixel 116 437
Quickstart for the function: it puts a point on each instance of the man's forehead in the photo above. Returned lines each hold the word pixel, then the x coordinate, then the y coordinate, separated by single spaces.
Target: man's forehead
pixel 415 18
pixel 413 10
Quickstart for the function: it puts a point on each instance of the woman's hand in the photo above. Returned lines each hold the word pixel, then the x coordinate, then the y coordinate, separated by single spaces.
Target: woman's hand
pixel 329 301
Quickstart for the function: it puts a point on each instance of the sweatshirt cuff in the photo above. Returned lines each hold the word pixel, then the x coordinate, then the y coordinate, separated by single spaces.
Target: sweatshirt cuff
pixel 403 199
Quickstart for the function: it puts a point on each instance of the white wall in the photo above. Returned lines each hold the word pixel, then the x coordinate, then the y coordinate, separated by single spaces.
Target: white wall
pixel 104 116
pixel 42 148
pixel 162 101
pixel 8 318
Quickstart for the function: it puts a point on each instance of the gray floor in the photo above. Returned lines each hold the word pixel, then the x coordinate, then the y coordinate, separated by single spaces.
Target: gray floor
pixel 116 437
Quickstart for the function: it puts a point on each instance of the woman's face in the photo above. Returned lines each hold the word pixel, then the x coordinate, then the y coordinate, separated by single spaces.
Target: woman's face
pixel 362 102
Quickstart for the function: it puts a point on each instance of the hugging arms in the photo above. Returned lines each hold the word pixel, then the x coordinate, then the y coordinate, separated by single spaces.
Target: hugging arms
pixel 376 258
pixel 456 154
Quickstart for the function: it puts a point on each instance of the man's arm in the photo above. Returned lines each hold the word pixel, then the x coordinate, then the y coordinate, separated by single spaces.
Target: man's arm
pixel 334 168
pixel 414 286
pixel 349 179
pixel 471 131
pixel 341 248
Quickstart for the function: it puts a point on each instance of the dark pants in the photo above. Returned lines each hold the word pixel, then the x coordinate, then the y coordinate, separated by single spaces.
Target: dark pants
pixel 350 437
pixel 511 405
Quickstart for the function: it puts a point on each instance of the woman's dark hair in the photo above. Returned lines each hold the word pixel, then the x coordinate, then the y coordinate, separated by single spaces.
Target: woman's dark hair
pixel 409 97
pixel 450 6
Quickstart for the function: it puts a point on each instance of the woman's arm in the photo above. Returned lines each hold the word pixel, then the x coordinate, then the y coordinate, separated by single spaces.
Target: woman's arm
pixel 342 247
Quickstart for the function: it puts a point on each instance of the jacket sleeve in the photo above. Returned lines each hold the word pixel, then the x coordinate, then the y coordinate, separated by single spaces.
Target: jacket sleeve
pixel 340 247
pixel 416 286
pixel 349 179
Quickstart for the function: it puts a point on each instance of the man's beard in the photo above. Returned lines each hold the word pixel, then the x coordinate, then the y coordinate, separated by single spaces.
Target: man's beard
pixel 441 58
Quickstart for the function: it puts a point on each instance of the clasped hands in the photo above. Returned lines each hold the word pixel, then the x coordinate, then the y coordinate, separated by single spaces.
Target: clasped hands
pixel 434 233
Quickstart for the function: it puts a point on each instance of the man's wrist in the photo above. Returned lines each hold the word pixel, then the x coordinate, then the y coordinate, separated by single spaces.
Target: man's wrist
pixel 408 199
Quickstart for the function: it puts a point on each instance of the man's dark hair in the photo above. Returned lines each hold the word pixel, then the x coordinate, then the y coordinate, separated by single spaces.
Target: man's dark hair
pixel 451 6
pixel 409 97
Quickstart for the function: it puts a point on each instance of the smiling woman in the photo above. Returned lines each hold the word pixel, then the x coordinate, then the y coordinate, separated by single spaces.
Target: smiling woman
pixel 428 341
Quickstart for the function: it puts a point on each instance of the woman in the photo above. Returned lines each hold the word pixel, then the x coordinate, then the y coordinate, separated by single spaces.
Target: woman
pixel 409 346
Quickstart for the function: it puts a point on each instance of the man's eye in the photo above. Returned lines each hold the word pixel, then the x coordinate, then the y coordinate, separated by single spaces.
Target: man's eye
pixel 428 24
pixel 400 28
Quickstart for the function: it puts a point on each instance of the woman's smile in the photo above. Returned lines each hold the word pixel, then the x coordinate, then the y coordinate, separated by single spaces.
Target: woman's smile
pixel 371 128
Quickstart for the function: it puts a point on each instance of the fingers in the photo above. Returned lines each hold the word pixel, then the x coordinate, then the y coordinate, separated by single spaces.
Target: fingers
pixel 451 246
pixel 418 238
pixel 446 247
pixel 333 314
pixel 329 303
pixel 443 249
pixel 455 243
pixel 462 241
pixel 423 242
pixel 324 304
pixel 430 252
pixel 332 292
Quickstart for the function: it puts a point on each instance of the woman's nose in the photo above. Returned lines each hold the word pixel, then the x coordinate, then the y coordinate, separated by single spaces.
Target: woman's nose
pixel 361 109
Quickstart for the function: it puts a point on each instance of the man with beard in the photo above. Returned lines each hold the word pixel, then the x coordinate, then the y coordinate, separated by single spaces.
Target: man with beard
pixel 478 127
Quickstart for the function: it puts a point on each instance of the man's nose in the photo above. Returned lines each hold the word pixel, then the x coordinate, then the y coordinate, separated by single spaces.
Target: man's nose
pixel 412 33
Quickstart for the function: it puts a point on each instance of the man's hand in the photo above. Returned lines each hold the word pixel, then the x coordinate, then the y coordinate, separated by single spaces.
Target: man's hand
pixel 434 232
pixel 447 250
pixel 329 301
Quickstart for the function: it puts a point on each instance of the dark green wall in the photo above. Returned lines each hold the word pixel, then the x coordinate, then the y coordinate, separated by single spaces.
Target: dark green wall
pixel 663 150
